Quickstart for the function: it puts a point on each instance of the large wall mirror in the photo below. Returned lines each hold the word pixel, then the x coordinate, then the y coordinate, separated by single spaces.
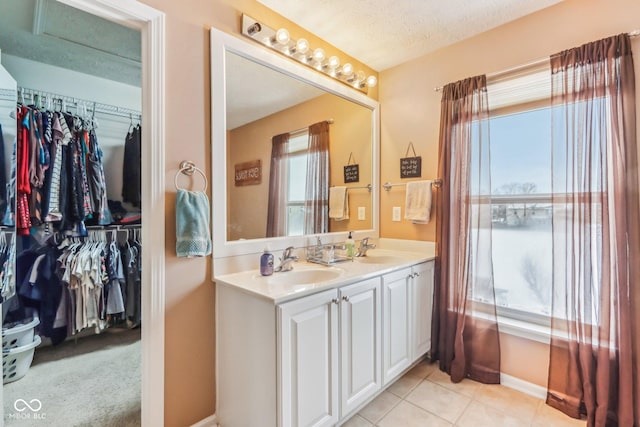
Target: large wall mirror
pixel 258 97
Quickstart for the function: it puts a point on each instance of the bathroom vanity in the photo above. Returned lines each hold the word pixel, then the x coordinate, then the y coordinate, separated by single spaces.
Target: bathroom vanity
pixel 312 346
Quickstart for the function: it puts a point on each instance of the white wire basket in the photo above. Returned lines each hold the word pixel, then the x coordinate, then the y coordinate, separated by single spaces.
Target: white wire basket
pixel 17 361
pixel 19 334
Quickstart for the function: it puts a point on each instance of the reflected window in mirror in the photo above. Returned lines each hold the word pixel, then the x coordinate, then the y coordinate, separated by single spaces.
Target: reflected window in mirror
pixel 297 180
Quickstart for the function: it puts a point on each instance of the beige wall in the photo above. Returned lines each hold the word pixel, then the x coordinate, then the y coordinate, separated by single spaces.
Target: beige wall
pixel 411 110
pixel 190 317
pixel 350 132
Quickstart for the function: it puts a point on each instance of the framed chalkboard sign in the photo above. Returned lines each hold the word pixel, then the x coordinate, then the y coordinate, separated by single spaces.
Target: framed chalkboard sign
pixel 351 171
pixel 411 167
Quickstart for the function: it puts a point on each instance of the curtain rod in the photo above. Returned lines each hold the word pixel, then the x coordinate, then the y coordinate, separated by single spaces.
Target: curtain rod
pixel 330 121
pixel 98 107
pixel 631 34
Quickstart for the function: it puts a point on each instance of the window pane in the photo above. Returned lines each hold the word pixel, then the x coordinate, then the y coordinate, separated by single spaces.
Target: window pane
pixel 295 220
pixel 297 177
pixel 522 259
pixel 521 152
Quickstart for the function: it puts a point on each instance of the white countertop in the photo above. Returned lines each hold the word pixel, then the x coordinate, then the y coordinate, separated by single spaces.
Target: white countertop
pixel 278 288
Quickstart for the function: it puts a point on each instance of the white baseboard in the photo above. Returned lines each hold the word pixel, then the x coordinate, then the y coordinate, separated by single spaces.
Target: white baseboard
pixel 523 386
pixel 210 421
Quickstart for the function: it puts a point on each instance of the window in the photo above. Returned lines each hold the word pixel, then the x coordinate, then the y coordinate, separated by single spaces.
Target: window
pixel 296 182
pixel 521 205
pixel 521 210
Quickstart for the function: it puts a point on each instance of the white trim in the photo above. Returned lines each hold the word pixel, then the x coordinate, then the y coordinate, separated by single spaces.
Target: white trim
pixel 210 421
pixel 151 24
pixel 221 43
pixel 523 386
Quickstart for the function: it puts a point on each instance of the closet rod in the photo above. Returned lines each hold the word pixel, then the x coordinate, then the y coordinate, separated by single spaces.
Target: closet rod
pixel 98 107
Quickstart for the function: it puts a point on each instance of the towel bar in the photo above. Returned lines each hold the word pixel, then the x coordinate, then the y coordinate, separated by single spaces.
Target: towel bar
pixel 387 185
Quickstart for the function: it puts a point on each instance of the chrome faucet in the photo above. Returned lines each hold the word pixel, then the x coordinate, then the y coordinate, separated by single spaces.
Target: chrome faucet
pixel 287 260
pixel 364 247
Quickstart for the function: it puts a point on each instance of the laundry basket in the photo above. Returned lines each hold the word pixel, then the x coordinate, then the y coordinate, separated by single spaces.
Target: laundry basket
pixel 16 361
pixel 18 334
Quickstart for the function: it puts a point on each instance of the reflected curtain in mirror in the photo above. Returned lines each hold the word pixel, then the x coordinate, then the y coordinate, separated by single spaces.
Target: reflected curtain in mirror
pixel 465 331
pixel 317 185
pixel 596 235
pixel 278 176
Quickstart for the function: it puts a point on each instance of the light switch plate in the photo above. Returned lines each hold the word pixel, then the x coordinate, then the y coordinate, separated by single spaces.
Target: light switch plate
pixel 361 213
pixel 396 214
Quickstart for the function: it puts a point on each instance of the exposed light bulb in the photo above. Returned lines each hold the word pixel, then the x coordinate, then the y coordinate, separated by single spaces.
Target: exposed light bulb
pixel 282 36
pixel 347 70
pixel 372 81
pixel 302 46
pixel 360 76
pixel 318 55
pixel 334 62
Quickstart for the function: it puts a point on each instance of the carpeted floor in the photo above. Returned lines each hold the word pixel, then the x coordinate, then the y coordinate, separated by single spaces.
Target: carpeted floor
pixel 94 382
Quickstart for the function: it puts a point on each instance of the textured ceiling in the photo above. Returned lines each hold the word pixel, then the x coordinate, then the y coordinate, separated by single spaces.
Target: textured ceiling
pixel 385 33
pixel 56 34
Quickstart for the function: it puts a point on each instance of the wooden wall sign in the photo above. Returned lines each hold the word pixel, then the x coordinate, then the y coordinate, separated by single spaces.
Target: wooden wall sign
pixel 248 173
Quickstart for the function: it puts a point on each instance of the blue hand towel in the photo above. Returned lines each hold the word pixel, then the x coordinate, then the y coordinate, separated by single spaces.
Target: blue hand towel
pixel 192 224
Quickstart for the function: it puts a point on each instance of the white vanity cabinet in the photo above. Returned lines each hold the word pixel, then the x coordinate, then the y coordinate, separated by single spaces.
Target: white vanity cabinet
pixel 408 302
pixel 318 373
pixel 319 358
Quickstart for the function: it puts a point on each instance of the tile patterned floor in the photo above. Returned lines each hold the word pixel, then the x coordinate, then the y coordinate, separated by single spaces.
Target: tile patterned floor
pixel 425 397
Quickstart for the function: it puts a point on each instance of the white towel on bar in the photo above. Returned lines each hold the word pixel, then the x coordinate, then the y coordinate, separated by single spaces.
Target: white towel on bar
pixel 338 203
pixel 418 202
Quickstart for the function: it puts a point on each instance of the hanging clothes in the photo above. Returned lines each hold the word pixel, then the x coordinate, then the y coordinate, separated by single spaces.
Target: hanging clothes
pixel 59 172
pixel 82 283
pixel 132 167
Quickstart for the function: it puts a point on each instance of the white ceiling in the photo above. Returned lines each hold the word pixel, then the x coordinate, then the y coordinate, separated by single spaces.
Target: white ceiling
pixel 51 32
pixel 385 33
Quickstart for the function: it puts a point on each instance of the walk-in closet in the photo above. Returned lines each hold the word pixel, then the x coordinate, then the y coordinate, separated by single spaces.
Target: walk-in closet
pixel 70 217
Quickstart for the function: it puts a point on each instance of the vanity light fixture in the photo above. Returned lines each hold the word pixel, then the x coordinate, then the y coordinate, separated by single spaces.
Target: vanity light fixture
pixel 300 50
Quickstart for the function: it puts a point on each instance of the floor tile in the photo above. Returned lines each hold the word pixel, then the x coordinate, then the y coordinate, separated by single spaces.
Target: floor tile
pixel 404 385
pixel 407 415
pixel 480 415
pixel 548 416
pixel 508 401
pixel 438 400
pixel 357 421
pixel 379 407
pixel 424 368
pixel 466 386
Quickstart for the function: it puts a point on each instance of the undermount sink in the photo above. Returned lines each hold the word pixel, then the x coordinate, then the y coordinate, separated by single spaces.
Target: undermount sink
pixel 379 259
pixel 304 276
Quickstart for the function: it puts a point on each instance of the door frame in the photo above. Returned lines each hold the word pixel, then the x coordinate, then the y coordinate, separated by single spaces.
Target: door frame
pixel 151 24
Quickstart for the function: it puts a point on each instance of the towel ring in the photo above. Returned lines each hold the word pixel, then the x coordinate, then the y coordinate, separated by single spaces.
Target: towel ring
pixel 187 167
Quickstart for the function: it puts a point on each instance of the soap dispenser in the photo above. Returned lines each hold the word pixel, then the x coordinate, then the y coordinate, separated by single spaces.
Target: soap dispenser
pixel 266 263
pixel 350 246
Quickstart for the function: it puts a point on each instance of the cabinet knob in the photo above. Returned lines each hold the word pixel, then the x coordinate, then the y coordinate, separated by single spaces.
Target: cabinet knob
pixel 416 274
pixel 335 301
pixel 345 298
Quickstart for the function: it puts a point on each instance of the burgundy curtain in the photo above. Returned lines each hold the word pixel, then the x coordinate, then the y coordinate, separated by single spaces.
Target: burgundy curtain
pixel 596 230
pixel 465 331
pixel 316 205
pixel 278 176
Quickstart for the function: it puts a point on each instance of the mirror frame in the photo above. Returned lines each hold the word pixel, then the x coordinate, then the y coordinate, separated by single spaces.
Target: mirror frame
pixel 221 43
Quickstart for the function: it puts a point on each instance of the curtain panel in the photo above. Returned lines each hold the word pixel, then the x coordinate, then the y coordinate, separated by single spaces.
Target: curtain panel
pixel 465 339
pixel 278 176
pixel 596 230
pixel 316 205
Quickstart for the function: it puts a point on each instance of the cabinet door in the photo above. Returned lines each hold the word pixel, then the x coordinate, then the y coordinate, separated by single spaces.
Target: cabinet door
pixel 422 275
pixel 396 315
pixel 308 361
pixel 361 343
